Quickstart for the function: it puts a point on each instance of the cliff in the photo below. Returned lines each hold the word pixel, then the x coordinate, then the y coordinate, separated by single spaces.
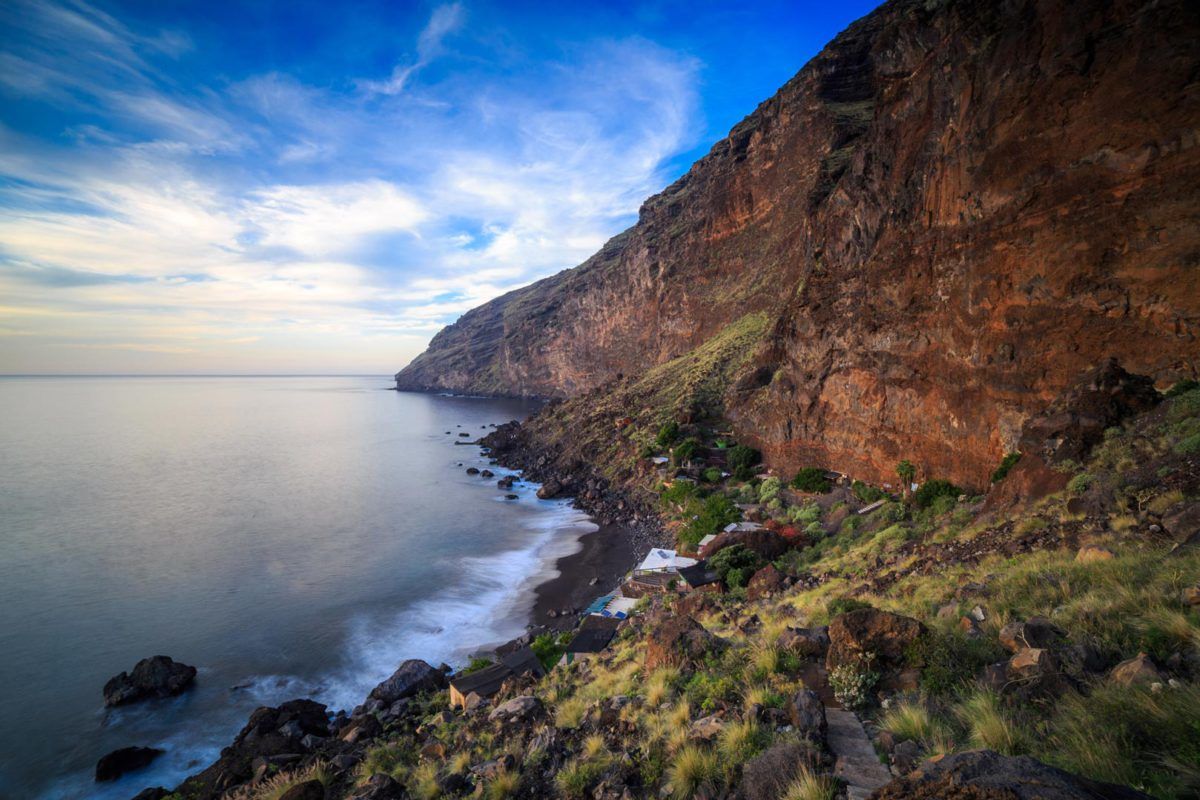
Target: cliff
pixel 944 218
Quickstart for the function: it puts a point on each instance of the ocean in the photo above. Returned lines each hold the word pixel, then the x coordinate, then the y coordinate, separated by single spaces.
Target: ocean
pixel 288 536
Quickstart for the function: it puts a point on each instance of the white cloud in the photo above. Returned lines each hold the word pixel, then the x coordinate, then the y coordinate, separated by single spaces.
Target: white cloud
pixel 445 20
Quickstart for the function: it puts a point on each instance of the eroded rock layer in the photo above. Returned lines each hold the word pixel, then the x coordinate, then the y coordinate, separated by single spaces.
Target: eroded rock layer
pixel 947 216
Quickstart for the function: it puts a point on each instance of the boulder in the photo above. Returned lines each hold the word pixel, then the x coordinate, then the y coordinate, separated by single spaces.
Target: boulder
pixel 1190 596
pixel 987 775
pixel 1093 552
pixel 413 677
pixel 764 583
pixel 379 787
pixel 1033 668
pixel 879 637
pixel 1182 521
pixel 519 708
pixel 769 775
pixel 487 473
pixel 678 641
pixel 127 759
pixel 157 676
pixel 550 489
pixel 706 728
pixel 308 790
pixel 472 470
pixel 766 543
pixel 1139 669
pixel 807 715
pixel 1036 632
pixel 805 642
pixel 153 793
pixel 361 729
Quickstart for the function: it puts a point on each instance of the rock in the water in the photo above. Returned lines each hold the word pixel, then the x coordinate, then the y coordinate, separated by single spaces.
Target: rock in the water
pixel 679 641
pixel 153 793
pixel 987 775
pixel 413 676
pixel 472 470
pixel 868 632
pixel 550 489
pixel 1139 669
pixel 157 676
pixel 127 759
pixel 487 473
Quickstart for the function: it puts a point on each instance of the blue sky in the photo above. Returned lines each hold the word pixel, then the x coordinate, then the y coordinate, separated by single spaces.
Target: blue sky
pixel 319 187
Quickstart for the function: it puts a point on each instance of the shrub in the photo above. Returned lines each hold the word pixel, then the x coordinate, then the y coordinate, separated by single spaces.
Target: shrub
pixel 686 450
pixel 712 475
pixel 852 684
pixel 943 504
pixel 768 775
pixel 741 741
pixel 1188 445
pixel 1080 483
pixel 808 785
pixel 679 492
pixel 805 514
pixel 931 490
pixel 1007 463
pixel 716 512
pixel 768 490
pixel 912 720
pixel 811 479
pixel 735 557
pixel 867 493
pixel 1182 387
pixel 668 434
pixel 949 660
pixel 476 664
pixel 989 725
pixel 741 460
pixel 549 648
pixel 1127 734
pixel 843 604
pixel 503 784
pixel 693 770
pixel 577 777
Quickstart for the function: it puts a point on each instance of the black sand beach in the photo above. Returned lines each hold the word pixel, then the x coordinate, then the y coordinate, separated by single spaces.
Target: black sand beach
pixel 607 555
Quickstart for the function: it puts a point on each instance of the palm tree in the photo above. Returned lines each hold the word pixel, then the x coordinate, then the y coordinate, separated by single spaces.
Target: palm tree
pixel 907 472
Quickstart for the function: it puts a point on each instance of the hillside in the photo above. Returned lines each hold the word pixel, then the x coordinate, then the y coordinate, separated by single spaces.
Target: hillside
pixel 944 219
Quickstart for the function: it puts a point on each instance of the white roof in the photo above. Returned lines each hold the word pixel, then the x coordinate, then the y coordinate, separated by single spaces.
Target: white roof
pixel 621 605
pixel 707 539
pixel 659 560
pixel 742 526
pixel 660 459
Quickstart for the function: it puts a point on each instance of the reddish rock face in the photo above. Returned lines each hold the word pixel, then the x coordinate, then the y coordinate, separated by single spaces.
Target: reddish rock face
pixel 948 216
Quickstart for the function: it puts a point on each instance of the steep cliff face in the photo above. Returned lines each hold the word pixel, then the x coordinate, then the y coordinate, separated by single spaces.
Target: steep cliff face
pixel 946 217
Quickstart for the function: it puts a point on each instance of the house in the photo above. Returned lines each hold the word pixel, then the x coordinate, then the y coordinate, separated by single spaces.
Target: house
pixel 739 527
pixel 592 636
pixel 641 584
pixel 487 681
pixel 699 578
pixel 705 541
pixel 660 560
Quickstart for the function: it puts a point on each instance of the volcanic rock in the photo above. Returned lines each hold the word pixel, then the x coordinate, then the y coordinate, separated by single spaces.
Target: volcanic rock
pixel 870 634
pixel 127 759
pixel 157 676
pixel 412 677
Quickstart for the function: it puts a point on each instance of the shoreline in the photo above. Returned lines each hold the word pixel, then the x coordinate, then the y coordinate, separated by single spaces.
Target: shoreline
pixel 605 556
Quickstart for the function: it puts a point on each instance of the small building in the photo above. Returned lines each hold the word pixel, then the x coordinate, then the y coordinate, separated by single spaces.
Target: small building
pixel 660 560
pixel 705 541
pixel 641 584
pixel 487 681
pixel 739 527
pixel 699 578
pixel 592 637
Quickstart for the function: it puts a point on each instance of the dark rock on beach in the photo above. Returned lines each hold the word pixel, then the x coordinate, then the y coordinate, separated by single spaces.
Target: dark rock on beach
pixel 157 676
pixel 127 759
pixel 412 677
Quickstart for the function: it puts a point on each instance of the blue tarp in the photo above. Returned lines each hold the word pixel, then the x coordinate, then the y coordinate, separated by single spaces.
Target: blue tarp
pixel 598 604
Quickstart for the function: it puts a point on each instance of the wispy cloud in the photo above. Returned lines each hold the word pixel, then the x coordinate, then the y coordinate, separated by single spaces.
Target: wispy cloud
pixel 445 20
pixel 268 219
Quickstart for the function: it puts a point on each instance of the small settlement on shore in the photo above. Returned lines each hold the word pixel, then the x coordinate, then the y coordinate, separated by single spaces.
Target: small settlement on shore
pixel 661 571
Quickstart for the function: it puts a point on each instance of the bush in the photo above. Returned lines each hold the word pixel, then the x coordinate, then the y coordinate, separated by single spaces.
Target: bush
pixel 843 604
pixel 716 512
pixel 1181 387
pixel 686 450
pixel 943 504
pixel 867 493
pixel 668 434
pixel 735 564
pixel 741 460
pixel 476 664
pixel 712 475
pixel 768 490
pixel 693 770
pixel 1080 483
pixel 811 479
pixel 679 492
pixel 989 725
pixel 852 685
pixel 549 647
pixel 948 661
pixel 931 490
pixel 1006 463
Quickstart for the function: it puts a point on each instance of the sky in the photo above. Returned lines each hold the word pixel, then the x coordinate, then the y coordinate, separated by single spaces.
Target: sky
pixel 285 186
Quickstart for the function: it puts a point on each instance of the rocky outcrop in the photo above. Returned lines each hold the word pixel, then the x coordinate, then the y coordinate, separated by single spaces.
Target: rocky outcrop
pixel 868 636
pixel 127 759
pixel 157 676
pixel 412 677
pixel 678 641
pixel 987 775
pixel 943 219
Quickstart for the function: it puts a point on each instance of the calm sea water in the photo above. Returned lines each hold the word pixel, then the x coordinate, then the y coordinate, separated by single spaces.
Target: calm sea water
pixel 291 536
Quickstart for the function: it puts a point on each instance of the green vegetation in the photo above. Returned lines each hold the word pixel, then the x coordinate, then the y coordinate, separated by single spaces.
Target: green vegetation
pixel 712 475
pixel 668 434
pixel 867 493
pixel 907 472
pixel 549 647
pixel 769 489
pixel 1006 464
pixel 710 516
pixel 741 461
pixel 686 450
pixel 812 480
pixel 1080 483
pixel 735 564
pixel 930 491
